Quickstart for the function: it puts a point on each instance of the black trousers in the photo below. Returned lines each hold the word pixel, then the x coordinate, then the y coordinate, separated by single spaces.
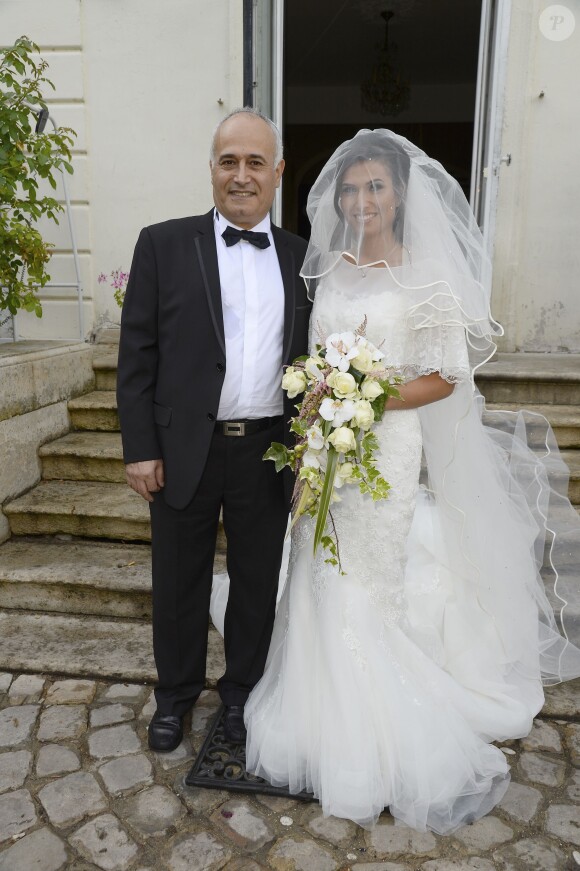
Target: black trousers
pixel 255 512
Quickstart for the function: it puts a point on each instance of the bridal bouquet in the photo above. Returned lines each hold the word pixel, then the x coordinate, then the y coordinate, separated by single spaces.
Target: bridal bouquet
pixel 345 387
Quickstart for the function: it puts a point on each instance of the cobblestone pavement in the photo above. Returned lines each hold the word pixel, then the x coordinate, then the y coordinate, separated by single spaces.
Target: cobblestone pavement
pixel 80 790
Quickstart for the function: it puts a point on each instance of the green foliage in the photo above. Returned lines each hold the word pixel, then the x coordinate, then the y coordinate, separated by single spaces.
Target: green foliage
pixel 330 544
pixel 322 473
pixel 325 496
pixel 26 157
pixel 279 453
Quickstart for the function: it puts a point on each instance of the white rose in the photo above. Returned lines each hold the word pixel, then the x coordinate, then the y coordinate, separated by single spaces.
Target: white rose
pixel 343 384
pixel 315 438
pixel 343 474
pixel 294 381
pixel 363 414
pixel 363 360
pixel 370 389
pixel 343 439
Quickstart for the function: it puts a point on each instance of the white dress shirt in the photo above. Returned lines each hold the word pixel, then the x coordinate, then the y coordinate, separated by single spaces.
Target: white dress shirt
pixel 253 311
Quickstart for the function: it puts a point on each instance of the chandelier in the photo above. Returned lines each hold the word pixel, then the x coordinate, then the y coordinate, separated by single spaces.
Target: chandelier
pixel 385 91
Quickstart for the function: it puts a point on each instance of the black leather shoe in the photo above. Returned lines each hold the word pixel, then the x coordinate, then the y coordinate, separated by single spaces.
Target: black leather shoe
pixel 234 728
pixel 165 732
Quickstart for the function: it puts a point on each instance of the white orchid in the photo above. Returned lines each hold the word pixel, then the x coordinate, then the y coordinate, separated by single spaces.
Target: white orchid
pixel 339 411
pixel 311 459
pixel 375 352
pixel 313 367
pixel 340 350
pixel 315 438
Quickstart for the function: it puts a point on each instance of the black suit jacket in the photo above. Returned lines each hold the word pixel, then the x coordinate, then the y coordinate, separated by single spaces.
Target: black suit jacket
pixel 172 356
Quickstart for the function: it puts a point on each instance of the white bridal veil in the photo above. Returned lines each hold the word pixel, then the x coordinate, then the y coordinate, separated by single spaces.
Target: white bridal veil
pixel 494 511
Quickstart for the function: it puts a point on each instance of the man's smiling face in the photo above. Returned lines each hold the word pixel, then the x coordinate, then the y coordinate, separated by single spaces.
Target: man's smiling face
pixel 243 174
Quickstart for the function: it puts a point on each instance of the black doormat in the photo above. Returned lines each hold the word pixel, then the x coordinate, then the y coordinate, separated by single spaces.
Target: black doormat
pixel 221 764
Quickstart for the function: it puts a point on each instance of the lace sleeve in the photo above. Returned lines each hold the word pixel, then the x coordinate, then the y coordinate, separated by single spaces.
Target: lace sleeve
pixel 442 349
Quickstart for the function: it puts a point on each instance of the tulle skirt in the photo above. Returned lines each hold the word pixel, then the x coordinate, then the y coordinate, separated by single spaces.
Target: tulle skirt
pixel 385 686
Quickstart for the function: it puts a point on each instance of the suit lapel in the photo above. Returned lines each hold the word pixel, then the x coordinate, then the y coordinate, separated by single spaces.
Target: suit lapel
pixel 208 265
pixel 287 268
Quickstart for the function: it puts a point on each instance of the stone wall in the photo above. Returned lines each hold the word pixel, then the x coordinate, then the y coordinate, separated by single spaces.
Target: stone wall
pixel 536 251
pixel 36 380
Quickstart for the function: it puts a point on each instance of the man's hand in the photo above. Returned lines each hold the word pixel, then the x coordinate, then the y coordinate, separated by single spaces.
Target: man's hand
pixel 146 478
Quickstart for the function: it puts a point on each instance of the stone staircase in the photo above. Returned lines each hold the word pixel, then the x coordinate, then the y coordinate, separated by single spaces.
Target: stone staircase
pixel 544 383
pixel 75 576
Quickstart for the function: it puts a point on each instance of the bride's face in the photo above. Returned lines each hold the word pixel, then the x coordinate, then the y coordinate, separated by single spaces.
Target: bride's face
pixel 367 199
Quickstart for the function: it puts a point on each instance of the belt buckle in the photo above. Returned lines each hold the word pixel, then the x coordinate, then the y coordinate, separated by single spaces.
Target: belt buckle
pixel 234 428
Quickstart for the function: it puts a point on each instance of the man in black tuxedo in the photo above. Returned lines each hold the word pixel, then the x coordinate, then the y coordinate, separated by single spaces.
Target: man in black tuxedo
pixel 211 314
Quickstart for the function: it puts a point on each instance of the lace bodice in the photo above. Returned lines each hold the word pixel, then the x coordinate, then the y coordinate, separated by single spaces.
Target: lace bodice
pixel 349 294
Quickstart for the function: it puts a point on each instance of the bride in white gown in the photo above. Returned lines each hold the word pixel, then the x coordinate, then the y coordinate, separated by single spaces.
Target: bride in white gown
pixel 385 685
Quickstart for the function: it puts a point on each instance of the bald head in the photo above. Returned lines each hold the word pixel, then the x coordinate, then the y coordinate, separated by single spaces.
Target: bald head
pixel 251 113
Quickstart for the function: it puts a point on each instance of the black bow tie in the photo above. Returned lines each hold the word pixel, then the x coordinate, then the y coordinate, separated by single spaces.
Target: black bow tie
pixel 231 236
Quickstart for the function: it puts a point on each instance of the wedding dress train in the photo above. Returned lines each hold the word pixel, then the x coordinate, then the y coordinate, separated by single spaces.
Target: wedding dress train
pixel 384 686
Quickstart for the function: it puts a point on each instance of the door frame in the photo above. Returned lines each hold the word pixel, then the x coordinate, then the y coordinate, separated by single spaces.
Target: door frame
pixel 489 112
pixel 264 61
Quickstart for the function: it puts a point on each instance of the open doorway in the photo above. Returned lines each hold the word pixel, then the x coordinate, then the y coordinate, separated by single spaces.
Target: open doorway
pixel 334 83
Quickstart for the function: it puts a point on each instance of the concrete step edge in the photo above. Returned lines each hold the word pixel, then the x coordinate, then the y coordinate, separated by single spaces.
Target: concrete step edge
pixel 76 646
pixel 105 363
pixel 85 443
pixel 80 498
pixel 560 415
pixel 95 400
pixel 80 563
pixel 520 366
pixel 572 460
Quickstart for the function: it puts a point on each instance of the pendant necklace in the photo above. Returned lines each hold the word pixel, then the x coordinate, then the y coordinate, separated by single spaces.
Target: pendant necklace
pixel 385 258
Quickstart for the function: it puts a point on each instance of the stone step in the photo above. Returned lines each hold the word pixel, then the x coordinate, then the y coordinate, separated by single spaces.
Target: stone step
pixel 566 548
pixel 84 508
pixel 518 379
pixel 98 456
pixel 78 646
pixel 572 460
pixel 84 456
pixel 531 379
pixel 564 420
pixel 105 368
pixel 95 411
pixel 566 481
pixel 555 592
pixel 89 509
pixel 78 577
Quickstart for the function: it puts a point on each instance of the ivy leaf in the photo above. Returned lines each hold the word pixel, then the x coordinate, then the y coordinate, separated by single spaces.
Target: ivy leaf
pixel 279 453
